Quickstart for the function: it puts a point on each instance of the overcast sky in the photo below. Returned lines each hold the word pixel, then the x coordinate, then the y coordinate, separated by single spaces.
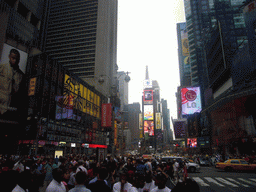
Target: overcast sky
pixel 147 36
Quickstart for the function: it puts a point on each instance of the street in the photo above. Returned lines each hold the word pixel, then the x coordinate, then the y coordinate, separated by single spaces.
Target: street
pixel 211 179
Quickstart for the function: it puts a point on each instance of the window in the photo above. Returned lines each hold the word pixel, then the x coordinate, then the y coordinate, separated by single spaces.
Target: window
pixel 235 162
pixel 22 10
pixel 243 162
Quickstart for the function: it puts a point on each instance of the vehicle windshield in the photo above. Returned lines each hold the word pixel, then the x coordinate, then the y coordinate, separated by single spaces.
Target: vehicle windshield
pixel 226 161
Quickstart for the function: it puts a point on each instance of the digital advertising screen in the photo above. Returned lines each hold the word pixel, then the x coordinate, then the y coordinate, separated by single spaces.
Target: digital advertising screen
pixel 191 100
pixel 148 112
pixel 148 97
pixel 192 142
pixel 179 128
pixel 149 127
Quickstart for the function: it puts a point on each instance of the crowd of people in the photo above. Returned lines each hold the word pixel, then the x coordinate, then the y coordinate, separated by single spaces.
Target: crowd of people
pixel 77 173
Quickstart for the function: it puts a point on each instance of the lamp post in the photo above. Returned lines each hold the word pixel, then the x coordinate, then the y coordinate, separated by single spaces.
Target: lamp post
pixel 113 97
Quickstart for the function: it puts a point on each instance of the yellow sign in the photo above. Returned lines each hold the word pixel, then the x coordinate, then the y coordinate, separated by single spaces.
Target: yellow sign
pixel 85 100
pixel 32 86
pixel 158 120
pixel 140 121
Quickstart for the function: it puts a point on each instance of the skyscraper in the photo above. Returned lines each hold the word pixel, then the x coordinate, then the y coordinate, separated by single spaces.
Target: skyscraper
pixel 201 17
pixel 82 36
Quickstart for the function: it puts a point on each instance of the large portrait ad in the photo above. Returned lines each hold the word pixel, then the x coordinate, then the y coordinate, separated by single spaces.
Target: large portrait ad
pixel 12 82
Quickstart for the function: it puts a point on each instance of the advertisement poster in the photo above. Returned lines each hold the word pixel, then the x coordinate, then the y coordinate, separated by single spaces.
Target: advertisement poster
pixel 64 107
pixel 179 128
pixel 12 69
pixel 148 112
pixel 148 97
pixel 192 142
pixel 140 121
pixel 158 121
pixel 106 115
pixel 191 100
pixel 149 127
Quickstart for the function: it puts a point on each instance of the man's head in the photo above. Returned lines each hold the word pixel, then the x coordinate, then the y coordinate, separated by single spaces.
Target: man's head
pixel 57 174
pixel 161 181
pixel 80 177
pixel 14 57
pixel 123 177
pixel 102 173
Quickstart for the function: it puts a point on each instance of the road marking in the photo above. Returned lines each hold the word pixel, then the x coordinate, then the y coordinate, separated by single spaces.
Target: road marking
pixel 252 179
pixel 225 181
pixel 246 181
pixel 200 181
pixel 211 180
pixel 234 181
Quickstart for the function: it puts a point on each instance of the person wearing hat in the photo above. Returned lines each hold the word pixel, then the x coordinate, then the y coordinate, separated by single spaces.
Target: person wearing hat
pixel 81 167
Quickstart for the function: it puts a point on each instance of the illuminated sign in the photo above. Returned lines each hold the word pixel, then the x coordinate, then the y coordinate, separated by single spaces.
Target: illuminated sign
pixel 140 121
pixel 148 97
pixel 148 112
pixel 147 83
pixel 85 100
pixel 192 142
pixel 73 145
pixel 97 146
pixel 149 128
pixel 158 120
pixel 179 126
pixel 191 100
pixel 32 86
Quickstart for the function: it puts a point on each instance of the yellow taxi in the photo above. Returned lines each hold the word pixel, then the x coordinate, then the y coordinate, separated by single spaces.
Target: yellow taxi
pixel 236 165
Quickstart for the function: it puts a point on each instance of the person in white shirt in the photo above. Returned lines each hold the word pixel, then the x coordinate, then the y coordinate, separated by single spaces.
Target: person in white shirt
pixel 81 167
pixel 150 183
pixel 24 182
pixel 56 184
pixel 122 185
pixel 176 166
pixel 161 184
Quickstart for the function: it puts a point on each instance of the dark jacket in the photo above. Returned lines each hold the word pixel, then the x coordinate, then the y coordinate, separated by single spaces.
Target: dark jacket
pixel 99 186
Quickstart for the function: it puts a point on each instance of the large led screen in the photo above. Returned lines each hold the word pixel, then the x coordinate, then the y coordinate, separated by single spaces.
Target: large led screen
pixel 179 128
pixel 191 100
pixel 148 97
pixel 148 112
pixel 149 128
pixel 192 142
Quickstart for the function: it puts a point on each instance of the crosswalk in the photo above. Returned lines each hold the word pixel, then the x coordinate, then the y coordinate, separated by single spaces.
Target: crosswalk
pixel 223 182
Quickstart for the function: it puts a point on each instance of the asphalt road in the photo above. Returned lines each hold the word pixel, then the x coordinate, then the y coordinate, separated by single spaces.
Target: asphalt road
pixel 211 179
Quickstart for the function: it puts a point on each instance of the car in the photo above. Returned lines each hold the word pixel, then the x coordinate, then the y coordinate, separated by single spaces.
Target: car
pixel 191 167
pixel 204 162
pixel 236 165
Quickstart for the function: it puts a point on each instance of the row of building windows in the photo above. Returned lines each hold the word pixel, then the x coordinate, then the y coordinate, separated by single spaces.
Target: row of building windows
pixel 73 32
pixel 85 18
pixel 68 39
pixel 81 28
pixel 81 25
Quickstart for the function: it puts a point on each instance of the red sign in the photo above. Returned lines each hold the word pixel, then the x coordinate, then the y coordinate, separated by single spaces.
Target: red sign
pixel 97 146
pixel 106 115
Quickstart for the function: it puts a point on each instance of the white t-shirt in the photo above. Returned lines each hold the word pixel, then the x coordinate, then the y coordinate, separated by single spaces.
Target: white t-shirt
pixel 117 187
pixel 166 189
pixel 149 186
pixel 56 187
pixel 176 166
pixel 133 189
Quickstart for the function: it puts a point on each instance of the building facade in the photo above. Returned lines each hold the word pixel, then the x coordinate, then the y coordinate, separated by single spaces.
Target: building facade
pixel 82 36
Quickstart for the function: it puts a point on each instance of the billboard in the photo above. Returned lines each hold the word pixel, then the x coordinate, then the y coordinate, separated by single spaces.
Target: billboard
pixel 148 97
pixel 64 107
pixel 106 115
pixel 179 128
pixel 12 81
pixel 192 142
pixel 147 83
pixel 191 100
pixel 140 121
pixel 148 112
pixel 158 121
pixel 203 142
pixel 149 128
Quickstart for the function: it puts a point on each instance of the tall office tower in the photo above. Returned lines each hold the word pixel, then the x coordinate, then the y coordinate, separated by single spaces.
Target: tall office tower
pixel 201 17
pixel 183 52
pixel 123 89
pixel 82 36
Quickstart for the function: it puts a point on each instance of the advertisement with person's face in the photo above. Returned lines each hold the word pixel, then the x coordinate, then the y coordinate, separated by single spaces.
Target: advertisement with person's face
pixel 12 69
pixel 149 127
pixel 192 142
